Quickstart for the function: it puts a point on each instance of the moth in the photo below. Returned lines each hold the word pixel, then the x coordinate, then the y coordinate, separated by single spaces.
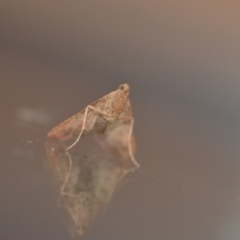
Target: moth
pixel 103 134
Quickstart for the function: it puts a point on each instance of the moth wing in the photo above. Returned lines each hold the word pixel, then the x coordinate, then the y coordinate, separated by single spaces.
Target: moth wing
pixel 72 126
pixel 118 139
pixel 126 113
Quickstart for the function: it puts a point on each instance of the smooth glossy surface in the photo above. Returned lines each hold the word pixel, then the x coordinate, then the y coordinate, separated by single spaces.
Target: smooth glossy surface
pixel 182 63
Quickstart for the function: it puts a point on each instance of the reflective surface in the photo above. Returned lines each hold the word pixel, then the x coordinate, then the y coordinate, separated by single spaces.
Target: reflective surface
pixel 181 62
pixel 86 181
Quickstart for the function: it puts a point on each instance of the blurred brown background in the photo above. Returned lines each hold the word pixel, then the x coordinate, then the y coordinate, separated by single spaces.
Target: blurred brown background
pixel 182 62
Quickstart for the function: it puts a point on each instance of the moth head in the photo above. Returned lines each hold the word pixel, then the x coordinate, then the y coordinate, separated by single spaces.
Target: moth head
pixel 124 88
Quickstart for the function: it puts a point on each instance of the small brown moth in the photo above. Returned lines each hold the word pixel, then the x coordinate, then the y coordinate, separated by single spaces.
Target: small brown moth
pixel 98 116
pixel 104 130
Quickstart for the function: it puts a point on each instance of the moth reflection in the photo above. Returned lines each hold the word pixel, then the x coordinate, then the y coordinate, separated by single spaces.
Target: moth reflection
pixel 87 175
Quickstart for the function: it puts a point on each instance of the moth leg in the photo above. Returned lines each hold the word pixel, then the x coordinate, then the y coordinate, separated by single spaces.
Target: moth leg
pixel 130 145
pixel 89 107
pixel 83 128
pixel 67 177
